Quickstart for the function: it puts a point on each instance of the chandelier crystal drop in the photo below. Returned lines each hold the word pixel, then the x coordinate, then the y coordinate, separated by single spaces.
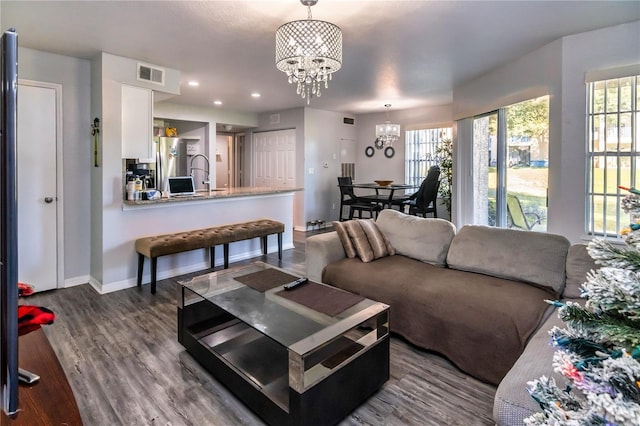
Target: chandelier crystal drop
pixel 387 133
pixel 309 52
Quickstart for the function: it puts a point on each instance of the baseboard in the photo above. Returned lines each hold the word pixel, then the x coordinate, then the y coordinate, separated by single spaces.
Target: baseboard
pixel 132 282
pixel 72 282
pixel 313 228
pixel 97 285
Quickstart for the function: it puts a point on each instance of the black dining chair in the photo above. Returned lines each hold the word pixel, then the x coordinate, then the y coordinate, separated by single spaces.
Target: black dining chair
pixel 433 174
pixel 355 204
pixel 427 200
pixel 346 193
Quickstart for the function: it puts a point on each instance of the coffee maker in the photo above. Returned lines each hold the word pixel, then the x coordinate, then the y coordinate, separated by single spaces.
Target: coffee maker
pixel 142 172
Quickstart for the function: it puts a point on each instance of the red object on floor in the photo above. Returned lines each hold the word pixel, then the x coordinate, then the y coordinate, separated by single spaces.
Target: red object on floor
pixel 25 289
pixel 31 317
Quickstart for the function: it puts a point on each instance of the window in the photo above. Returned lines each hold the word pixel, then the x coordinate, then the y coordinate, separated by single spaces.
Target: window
pixel 510 166
pixel 421 152
pixel 613 155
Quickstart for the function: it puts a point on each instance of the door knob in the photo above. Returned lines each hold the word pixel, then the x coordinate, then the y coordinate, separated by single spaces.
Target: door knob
pixel 48 200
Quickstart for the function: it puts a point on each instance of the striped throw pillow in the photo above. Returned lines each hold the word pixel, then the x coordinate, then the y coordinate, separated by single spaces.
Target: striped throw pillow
pixel 341 229
pixel 362 238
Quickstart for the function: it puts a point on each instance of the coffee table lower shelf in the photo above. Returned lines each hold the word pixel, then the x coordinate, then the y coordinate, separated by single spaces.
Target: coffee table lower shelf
pixel 256 368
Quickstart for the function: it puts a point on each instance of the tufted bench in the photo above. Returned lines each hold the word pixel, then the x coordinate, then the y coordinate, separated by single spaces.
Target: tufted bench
pixel 163 245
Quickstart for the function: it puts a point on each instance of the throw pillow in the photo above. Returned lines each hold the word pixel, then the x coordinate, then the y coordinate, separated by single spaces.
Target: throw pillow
pixel 349 250
pixel 363 238
pixel 359 240
pixel 379 243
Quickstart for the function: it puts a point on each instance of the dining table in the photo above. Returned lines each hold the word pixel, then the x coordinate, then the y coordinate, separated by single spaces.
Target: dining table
pixel 385 194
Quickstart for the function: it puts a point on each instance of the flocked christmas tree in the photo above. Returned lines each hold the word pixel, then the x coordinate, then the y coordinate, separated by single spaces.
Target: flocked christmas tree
pixel 599 350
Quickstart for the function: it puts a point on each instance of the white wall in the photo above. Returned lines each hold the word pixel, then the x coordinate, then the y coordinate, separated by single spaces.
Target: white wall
pixel 287 119
pixel 74 75
pixel 369 169
pixel 96 173
pixel 559 69
pixel 324 131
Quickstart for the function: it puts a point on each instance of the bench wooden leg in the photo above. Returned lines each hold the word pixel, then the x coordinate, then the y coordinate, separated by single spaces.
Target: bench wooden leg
pixel 154 269
pixel 226 256
pixel 264 244
pixel 140 266
pixel 212 256
pixel 280 245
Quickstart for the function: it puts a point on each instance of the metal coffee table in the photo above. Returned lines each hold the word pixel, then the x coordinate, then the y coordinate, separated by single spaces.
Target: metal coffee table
pixel 289 363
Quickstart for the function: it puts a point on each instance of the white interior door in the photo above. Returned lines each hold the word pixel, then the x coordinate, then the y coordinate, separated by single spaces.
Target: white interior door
pixel 37 188
pixel 285 158
pixel 275 158
pixel 263 159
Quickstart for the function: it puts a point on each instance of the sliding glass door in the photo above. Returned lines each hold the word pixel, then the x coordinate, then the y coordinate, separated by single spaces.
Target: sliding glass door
pixel 510 166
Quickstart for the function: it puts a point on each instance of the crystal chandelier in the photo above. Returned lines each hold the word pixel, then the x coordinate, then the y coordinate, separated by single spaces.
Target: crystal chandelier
pixel 309 51
pixel 387 133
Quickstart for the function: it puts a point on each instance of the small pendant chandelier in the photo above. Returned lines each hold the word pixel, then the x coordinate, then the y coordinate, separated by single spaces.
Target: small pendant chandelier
pixel 309 52
pixel 387 133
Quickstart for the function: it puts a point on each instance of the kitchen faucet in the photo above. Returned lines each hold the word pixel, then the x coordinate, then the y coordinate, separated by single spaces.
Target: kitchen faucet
pixel 191 169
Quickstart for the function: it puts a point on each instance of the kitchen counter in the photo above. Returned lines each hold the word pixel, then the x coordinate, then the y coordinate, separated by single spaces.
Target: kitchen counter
pixel 138 219
pixel 214 194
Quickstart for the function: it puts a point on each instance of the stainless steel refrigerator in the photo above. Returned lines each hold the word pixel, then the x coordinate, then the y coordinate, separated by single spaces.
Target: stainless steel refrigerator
pixel 171 160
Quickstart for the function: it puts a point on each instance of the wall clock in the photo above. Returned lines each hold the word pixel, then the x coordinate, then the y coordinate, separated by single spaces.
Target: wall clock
pixel 369 151
pixel 389 152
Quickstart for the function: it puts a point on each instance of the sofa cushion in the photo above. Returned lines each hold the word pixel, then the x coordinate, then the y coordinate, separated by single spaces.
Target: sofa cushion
pixel 424 239
pixel 482 327
pixel 533 257
pixel 579 263
pixel 513 403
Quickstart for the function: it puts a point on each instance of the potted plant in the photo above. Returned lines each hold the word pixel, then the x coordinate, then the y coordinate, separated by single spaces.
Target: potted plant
pixel 444 156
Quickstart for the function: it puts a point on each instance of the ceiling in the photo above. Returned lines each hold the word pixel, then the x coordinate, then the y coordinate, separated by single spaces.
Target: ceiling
pixel 406 53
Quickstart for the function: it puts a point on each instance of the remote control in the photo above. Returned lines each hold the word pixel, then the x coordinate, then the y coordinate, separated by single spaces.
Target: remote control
pixel 27 376
pixel 295 283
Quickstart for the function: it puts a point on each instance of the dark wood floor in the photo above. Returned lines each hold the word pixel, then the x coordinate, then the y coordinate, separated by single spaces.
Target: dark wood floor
pixel 125 366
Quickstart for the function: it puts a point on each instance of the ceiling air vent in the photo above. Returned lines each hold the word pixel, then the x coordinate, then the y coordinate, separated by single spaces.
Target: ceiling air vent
pixel 150 74
pixel 348 120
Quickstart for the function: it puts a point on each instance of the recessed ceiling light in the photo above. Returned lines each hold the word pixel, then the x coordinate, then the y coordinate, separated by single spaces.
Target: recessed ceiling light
pixel 194 83
pixel 216 102
pixel 255 95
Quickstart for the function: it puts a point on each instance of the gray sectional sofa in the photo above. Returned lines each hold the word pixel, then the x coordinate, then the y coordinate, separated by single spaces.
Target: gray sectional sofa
pixel 475 295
